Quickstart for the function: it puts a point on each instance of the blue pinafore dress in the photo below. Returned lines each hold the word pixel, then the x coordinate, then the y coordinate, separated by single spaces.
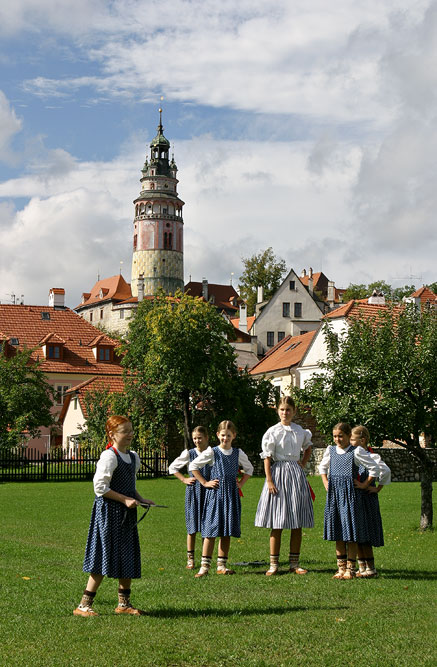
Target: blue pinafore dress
pixel 113 546
pixel 195 497
pixel 344 515
pixel 222 508
pixel 372 514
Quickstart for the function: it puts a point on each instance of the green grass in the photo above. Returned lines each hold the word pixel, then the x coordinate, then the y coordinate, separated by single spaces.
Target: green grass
pixel 248 619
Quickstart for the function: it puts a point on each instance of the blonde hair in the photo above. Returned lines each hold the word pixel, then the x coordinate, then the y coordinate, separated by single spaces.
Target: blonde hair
pixel 113 422
pixel 361 432
pixel 344 427
pixel 227 425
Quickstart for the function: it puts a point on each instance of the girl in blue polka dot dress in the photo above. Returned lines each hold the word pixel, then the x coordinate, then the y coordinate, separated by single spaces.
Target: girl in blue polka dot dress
pixel 113 547
pixel 345 521
pixel 194 492
pixel 366 561
pixel 222 509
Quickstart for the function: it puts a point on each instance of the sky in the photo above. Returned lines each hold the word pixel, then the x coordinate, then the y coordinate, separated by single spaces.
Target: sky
pixel 305 126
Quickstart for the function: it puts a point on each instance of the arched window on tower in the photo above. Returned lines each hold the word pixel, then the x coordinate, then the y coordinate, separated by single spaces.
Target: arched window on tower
pixel 135 241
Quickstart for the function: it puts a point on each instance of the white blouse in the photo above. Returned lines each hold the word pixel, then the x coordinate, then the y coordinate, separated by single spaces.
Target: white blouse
pixel 361 457
pixel 384 471
pixel 106 465
pixel 181 461
pixel 285 443
pixel 207 456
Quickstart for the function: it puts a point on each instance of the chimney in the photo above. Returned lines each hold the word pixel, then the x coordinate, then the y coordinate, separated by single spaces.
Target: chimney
pixel 330 297
pixel 310 272
pixel 303 274
pixel 205 289
pixel 57 297
pixel 140 287
pixel 243 317
pixel 377 299
pixel 310 284
pixel 260 294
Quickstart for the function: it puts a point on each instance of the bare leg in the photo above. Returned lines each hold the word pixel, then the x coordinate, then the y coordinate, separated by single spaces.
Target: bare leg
pixel 223 548
pixel 275 548
pixel 86 603
pixel 207 550
pixel 191 543
pixel 94 582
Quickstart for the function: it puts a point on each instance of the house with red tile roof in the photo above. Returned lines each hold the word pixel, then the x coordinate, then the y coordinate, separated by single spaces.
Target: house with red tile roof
pixel 293 310
pixel 70 349
pixel 422 298
pixel 74 412
pixel 322 286
pixel 109 304
pixel 280 365
pixel 223 297
pixel 338 321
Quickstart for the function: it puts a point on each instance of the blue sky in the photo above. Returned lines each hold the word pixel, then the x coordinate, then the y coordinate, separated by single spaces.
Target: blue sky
pixel 300 126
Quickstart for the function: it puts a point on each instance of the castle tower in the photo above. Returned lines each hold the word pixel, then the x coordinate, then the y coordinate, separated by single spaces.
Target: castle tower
pixel 158 225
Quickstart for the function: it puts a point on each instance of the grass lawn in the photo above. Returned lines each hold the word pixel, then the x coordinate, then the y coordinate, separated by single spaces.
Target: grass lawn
pixel 247 619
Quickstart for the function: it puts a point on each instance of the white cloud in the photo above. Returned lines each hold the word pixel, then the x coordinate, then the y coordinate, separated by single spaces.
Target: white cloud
pixel 10 125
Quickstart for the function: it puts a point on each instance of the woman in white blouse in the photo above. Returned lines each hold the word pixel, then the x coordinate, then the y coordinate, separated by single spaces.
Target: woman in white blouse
pixel 285 500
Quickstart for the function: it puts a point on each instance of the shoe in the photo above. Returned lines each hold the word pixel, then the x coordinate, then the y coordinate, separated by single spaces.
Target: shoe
pixel 298 570
pixel 224 570
pixel 201 574
pixel 272 573
pixel 349 574
pixel 190 566
pixel 128 609
pixel 339 574
pixel 84 611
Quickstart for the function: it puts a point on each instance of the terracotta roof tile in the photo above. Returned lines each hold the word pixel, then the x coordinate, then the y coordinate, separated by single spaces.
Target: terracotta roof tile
pixel 425 295
pixel 115 288
pixel 113 384
pixel 359 308
pixel 26 324
pixel 223 295
pixel 235 321
pixel 287 353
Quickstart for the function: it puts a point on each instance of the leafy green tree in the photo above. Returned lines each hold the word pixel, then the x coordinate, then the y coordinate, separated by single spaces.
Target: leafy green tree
pixel 380 286
pixel 355 291
pixel 399 292
pixel 100 404
pixel 382 373
pixel 433 287
pixel 262 270
pixel 181 371
pixel 26 398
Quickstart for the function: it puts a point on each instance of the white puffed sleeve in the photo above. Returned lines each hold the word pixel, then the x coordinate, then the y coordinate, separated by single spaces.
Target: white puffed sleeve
pixel 207 456
pixel 384 471
pixel 179 462
pixel 268 443
pixel 106 465
pixel 324 463
pixel 307 439
pixel 363 457
pixel 244 463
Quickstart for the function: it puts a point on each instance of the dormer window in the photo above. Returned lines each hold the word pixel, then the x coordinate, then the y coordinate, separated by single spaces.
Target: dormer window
pixel 104 353
pixel 54 352
pixel 14 341
pixel 45 316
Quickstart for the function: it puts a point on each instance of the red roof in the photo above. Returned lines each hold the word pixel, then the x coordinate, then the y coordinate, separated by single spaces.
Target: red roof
pixel 235 321
pixel 287 353
pixel 113 384
pixel 60 325
pixel 221 296
pixel 359 308
pixel 425 295
pixel 114 288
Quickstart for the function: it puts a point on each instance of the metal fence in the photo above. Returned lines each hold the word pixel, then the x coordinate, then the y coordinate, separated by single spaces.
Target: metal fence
pixel 22 465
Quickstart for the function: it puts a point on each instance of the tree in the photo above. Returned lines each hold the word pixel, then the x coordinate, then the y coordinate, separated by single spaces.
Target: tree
pixel 382 373
pixel 262 270
pixel 355 291
pixel 380 286
pixel 25 398
pixel 433 287
pixel 399 292
pixel 100 404
pixel 181 371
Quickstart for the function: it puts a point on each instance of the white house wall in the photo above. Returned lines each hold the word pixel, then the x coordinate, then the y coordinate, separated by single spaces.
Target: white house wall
pixel 73 420
pixel 317 351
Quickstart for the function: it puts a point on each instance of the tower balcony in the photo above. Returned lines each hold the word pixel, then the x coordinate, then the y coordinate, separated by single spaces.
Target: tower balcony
pixel 158 216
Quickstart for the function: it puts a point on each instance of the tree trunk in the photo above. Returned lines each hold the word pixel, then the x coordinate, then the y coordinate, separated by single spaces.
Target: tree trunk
pixel 426 512
pixel 426 477
pixel 187 420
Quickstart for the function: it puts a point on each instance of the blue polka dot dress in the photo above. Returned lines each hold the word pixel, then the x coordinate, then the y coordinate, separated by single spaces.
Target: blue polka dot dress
pixel 195 497
pixel 371 510
pixel 344 513
pixel 222 509
pixel 113 546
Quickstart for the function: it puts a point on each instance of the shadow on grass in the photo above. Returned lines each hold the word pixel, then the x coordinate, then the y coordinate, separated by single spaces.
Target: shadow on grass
pixel 172 612
pixel 418 575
